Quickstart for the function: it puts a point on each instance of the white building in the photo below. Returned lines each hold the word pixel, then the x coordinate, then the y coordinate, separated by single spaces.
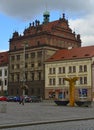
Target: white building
pixel 70 63
pixel 3 73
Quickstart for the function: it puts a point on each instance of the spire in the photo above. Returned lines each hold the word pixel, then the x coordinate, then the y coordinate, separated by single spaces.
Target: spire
pixel 63 15
pixel 46 16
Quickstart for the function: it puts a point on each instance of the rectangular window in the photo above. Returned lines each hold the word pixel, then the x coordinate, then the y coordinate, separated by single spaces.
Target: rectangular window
pixel 12 67
pixel 26 76
pixel 0 72
pixel 12 58
pixel 63 69
pixel 60 81
pixel 74 69
pixel 53 70
pixel 50 70
pixel 52 81
pixel 32 55
pixel 39 75
pixel 39 54
pixel 70 69
pixel 5 72
pixel 83 92
pixel 26 65
pixel 63 81
pixel 26 56
pixel 85 68
pixel 39 64
pixel 32 90
pixel 18 66
pixel 85 80
pixel 18 77
pixel 80 68
pixel 81 80
pixel 32 65
pixel 5 82
pixel 59 70
pixel 18 57
pixel 12 77
pixel 38 91
pixel 0 82
pixel 32 76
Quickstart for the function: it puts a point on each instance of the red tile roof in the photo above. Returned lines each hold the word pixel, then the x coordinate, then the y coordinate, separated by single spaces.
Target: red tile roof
pixel 75 53
pixel 50 25
pixel 3 58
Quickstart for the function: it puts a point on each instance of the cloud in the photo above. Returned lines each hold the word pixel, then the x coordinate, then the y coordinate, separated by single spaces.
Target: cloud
pixel 84 26
pixel 27 9
pixel 3 50
pixel 80 13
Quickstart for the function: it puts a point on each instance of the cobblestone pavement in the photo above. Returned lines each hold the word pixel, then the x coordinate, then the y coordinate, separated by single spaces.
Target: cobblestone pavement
pixel 46 111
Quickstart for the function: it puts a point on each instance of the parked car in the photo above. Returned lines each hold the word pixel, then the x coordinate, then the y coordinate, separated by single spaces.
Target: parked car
pixel 3 98
pixel 10 99
pixel 27 99
pixel 35 99
pixel 16 98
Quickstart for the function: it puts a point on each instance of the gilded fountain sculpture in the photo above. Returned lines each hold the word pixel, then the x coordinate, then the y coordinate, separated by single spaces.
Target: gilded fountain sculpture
pixel 71 89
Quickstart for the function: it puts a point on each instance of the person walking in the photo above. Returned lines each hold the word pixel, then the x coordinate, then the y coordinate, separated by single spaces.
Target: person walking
pixel 22 100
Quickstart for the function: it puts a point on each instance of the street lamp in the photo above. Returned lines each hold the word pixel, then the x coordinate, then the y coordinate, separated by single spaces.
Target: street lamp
pixel 2 87
pixel 24 87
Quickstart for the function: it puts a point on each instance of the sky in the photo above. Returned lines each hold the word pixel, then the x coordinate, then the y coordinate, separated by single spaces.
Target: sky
pixel 15 15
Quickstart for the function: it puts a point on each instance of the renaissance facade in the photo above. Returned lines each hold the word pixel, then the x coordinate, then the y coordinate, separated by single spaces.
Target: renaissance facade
pixel 28 52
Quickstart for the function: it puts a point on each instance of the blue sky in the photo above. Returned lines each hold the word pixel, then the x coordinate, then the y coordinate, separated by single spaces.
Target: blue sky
pixel 7 26
pixel 16 16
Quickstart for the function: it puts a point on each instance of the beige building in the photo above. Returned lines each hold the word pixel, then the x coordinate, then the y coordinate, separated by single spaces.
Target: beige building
pixel 70 63
pixel 3 73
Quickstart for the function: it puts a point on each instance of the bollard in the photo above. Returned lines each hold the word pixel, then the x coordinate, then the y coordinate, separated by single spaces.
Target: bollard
pixel 3 108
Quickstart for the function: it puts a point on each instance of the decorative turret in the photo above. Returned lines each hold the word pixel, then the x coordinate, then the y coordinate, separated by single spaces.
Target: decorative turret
pixel 63 16
pixel 15 34
pixel 78 37
pixel 46 16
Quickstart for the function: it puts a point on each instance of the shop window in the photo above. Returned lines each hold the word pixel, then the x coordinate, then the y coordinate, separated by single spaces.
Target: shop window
pixel 83 92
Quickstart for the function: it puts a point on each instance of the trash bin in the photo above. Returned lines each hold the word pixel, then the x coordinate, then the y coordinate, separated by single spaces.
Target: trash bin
pixel 3 108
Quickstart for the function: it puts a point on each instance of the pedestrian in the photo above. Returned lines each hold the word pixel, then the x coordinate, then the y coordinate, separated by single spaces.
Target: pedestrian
pixel 21 101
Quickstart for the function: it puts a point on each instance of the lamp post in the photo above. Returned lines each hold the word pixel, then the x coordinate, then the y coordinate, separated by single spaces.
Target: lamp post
pixel 24 87
pixel 2 88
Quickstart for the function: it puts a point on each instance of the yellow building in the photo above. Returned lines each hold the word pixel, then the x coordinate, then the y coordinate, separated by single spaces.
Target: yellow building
pixel 70 63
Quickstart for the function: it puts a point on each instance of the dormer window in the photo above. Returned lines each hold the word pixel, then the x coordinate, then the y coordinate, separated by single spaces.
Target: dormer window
pixel 38 43
pixel 86 54
pixel 14 47
pixel 74 56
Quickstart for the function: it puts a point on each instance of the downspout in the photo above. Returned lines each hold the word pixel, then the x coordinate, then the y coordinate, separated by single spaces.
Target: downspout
pixel 92 77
